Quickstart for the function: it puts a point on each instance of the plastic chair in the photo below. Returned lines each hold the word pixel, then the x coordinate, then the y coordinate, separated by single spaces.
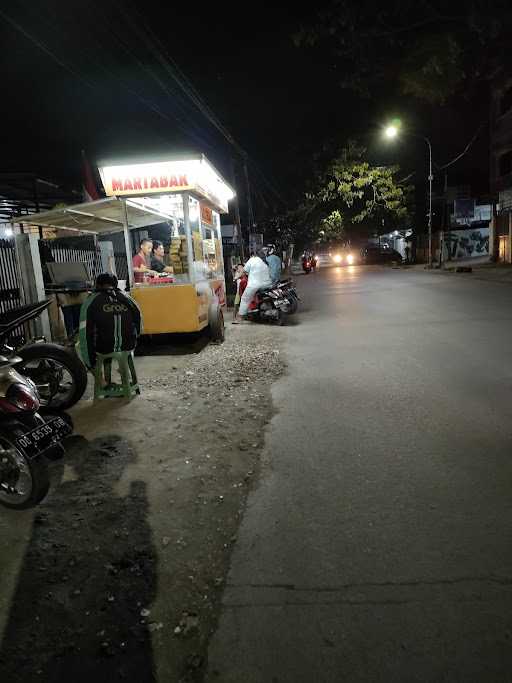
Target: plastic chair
pixel 129 384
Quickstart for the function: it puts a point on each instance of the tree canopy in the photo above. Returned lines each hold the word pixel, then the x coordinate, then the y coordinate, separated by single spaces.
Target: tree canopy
pixel 430 49
pixel 349 196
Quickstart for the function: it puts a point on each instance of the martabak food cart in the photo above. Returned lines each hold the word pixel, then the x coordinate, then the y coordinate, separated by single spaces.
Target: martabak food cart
pixel 181 200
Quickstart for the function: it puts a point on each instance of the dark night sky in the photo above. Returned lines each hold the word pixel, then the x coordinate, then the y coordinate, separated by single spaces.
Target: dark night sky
pixel 279 101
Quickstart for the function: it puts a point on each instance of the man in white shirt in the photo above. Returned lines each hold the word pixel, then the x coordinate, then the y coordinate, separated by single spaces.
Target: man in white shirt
pixel 258 274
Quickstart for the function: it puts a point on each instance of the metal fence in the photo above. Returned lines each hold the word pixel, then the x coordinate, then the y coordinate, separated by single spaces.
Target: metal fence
pixel 10 295
pixel 10 292
pixel 121 266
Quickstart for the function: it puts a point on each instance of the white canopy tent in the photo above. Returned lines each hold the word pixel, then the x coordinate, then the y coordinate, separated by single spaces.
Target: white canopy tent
pixel 102 215
pixel 112 214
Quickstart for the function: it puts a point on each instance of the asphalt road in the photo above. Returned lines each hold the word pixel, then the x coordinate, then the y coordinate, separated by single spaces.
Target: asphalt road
pixel 377 546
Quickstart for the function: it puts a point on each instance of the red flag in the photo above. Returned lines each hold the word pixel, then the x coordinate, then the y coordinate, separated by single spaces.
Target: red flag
pixel 89 186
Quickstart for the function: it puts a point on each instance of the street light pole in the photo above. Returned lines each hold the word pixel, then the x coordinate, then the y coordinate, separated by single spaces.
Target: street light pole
pixel 391 133
pixel 430 180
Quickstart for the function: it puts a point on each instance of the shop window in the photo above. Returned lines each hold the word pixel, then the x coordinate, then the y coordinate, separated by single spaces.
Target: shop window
pixel 506 101
pixel 505 163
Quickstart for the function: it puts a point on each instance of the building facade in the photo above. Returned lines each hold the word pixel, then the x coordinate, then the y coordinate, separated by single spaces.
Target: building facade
pixel 500 238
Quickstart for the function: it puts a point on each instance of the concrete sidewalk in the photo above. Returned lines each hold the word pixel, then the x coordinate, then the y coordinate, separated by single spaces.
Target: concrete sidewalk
pixel 134 538
pixel 489 270
pixel 482 269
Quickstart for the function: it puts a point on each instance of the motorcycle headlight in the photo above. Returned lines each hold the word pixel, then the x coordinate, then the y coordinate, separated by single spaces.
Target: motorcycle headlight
pixel 337 258
pixel 350 259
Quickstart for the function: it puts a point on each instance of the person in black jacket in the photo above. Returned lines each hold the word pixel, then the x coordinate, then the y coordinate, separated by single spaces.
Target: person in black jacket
pixel 157 258
pixel 109 321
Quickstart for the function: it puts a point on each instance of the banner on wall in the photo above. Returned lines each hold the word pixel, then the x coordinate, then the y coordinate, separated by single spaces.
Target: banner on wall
pixel 464 244
pixel 478 214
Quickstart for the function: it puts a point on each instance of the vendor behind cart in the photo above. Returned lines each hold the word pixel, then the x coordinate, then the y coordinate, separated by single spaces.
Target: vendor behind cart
pixel 157 258
pixel 142 260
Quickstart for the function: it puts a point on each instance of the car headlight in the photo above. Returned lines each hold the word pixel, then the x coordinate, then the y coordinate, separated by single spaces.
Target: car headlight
pixel 337 258
pixel 350 259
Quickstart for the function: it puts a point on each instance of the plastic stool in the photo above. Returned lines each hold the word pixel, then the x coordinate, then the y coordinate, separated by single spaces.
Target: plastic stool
pixel 129 384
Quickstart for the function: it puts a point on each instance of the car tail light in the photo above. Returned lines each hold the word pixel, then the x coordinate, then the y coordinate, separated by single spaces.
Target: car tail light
pixel 19 398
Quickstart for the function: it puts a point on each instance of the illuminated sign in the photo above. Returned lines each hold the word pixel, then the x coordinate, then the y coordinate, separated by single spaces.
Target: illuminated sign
pixel 195 175
pixel 143 179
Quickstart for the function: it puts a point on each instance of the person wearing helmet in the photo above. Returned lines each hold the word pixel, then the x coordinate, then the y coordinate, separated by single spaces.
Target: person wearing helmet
pixel 274 264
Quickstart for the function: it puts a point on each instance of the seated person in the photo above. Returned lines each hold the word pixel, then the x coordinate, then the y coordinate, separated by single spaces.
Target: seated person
pixel 109 321
pixel 142 260
pixel 274 264
pixel 157 258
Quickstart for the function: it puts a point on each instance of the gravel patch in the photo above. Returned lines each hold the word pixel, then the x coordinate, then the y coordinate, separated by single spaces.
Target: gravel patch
pixel 127 558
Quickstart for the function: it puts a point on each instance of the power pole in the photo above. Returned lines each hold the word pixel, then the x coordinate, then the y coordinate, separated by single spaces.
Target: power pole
pixel 430 179
pixel 238 222
pixel 446 219
pixel 250 213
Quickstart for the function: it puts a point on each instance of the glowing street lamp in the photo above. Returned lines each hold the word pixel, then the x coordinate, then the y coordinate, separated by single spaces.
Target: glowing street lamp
pixel 390 133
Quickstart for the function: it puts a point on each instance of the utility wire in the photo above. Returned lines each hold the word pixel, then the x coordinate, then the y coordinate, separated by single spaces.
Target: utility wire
pixel 170 67
pixel 465 150
pixel 407 177
pixel 171 94
pixel 44 48
pixel 93 86
pixel 154 107
pixel 154 44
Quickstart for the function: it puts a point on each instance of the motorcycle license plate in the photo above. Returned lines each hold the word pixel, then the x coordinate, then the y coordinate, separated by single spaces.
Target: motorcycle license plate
pixel 43 437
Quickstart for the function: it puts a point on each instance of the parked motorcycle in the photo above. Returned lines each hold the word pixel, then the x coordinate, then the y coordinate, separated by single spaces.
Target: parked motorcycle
pixel 269 304
pixel 58 373
pixel 27 439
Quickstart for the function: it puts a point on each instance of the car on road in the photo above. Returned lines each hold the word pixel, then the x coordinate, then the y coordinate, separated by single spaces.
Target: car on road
pixel 371 255
pixel 344 257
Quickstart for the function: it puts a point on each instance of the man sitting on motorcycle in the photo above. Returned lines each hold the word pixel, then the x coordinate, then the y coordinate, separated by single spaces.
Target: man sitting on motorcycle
pixel 274 264
pixel 258 276
pixel 109 321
